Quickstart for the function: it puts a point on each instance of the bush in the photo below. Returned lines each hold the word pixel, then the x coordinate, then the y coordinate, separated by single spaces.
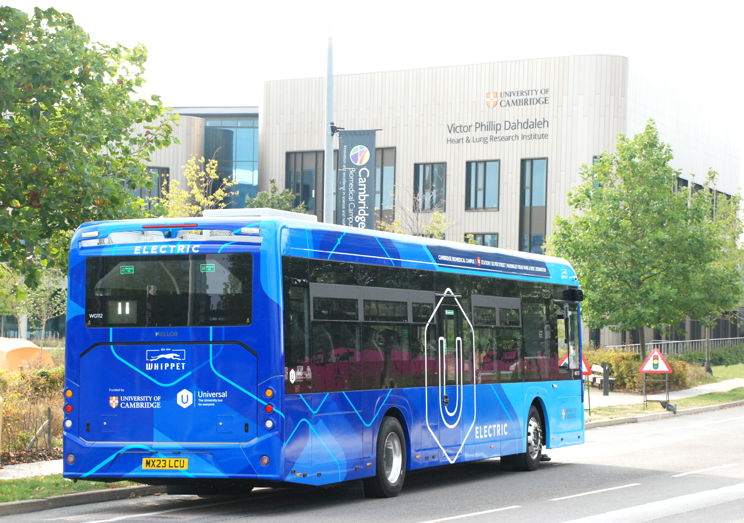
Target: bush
pixel 625 368
pixel 723 356
pixel 27 394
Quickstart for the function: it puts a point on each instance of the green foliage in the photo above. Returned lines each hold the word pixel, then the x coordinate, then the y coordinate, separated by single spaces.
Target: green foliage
pixel 625 368
pixel 12 292
pixel 72 136
pixel 645 253
pixel 52 485
pixel 723 356
pixel 48 299
pixel 206 190
pixel 274 199
pixel 27 394
pixel 470 239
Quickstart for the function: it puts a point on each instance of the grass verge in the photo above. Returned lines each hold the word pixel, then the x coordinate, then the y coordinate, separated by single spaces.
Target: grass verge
pixel 729 372
pixel 53 485
pixel 624 411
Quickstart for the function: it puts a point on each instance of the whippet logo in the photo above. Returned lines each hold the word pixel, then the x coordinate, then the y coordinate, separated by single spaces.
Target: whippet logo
pixel 114 401
pixel 165 359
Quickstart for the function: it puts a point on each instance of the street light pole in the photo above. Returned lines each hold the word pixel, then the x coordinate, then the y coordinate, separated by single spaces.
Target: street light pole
pixel 328 204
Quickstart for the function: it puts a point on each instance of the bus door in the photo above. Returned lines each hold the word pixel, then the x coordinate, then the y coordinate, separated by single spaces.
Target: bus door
pixel 454 405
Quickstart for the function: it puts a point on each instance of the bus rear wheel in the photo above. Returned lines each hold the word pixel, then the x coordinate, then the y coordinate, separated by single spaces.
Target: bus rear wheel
pixel 390 466
pixel 530 460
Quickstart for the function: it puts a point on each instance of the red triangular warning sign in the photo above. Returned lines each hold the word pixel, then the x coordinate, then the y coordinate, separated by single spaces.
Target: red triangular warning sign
pixel 656 363
pixel 584 364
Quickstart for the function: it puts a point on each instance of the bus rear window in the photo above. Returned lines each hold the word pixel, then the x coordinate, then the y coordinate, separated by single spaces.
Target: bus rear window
pixel 169 291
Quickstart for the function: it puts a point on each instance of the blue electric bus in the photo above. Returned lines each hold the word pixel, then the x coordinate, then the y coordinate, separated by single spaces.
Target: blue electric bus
pixel 258 347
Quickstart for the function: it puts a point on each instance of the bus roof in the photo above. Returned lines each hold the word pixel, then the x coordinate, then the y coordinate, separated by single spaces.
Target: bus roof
pixel 311 239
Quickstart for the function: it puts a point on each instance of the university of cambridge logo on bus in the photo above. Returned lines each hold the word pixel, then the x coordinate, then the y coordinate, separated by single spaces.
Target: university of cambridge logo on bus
pixel 492 99
pixel 114 401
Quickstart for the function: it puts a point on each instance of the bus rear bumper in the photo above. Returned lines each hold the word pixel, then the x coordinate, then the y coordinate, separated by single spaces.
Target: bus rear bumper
pixel 125 460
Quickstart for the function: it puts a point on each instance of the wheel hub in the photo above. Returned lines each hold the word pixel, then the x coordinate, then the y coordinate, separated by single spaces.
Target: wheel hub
pixel 393 459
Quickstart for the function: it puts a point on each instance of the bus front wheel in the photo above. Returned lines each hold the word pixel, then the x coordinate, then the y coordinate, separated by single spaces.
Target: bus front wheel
pixel 530 460
pixel 390 467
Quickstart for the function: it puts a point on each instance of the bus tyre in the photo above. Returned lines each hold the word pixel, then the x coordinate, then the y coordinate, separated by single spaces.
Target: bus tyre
pixel 390 466
pixel 530 460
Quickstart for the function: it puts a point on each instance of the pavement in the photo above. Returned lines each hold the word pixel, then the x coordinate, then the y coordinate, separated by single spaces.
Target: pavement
pixel 28 470
pixel 624 398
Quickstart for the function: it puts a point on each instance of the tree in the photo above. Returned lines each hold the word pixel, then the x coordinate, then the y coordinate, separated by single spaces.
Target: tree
pixel 634 239
pixel 720 287
pixel 47 300
pixel 430 223
pixel 206 190
pixel 72 137
pixel 275 200
pixel 11 296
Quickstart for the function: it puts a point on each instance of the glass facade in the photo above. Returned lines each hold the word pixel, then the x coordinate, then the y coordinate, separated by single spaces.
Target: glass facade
pixel 533 215
pixel 304 176
pixel 487 240
pixel 160 177
pixel 482 185
pixel 384 184
pixel 233 142
pixel 429 185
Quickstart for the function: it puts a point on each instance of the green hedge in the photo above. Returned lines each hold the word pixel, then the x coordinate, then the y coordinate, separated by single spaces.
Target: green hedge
pixel 625 368
pixel 722 356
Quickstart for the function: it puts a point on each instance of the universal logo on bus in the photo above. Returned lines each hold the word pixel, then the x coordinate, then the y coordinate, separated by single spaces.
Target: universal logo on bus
pixel 518 98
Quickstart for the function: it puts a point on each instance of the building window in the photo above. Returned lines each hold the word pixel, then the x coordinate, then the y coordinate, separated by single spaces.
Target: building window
pixel 482 185
pixel 385 184
pixel 305 177
pixel 234 144
pixel 429 182
pixel 533 215
pixel 160 177
pixel 681 183
pixel 595 161
pixel 487 240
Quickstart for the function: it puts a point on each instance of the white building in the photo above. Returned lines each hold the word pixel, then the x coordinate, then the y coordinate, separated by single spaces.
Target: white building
pixel 496 146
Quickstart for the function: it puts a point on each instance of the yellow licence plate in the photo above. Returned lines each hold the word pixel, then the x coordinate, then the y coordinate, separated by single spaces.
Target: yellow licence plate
pixel 165 463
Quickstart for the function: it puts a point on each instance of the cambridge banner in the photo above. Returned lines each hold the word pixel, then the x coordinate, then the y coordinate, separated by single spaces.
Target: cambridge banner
pixel 355 187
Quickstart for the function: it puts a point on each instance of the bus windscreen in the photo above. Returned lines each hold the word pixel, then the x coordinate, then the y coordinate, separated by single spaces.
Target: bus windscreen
pixel 169 291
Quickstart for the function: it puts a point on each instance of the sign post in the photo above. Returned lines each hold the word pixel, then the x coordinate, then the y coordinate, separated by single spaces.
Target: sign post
pixel 656 363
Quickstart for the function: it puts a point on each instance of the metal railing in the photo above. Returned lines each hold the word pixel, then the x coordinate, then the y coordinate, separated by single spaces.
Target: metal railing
pixel 679 347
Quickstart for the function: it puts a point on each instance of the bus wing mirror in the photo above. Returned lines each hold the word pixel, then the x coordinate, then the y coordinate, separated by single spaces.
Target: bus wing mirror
pixel 573 295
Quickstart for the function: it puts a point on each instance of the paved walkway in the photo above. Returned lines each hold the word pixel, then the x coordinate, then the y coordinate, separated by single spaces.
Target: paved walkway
pixel 27 470
pixel 622 398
